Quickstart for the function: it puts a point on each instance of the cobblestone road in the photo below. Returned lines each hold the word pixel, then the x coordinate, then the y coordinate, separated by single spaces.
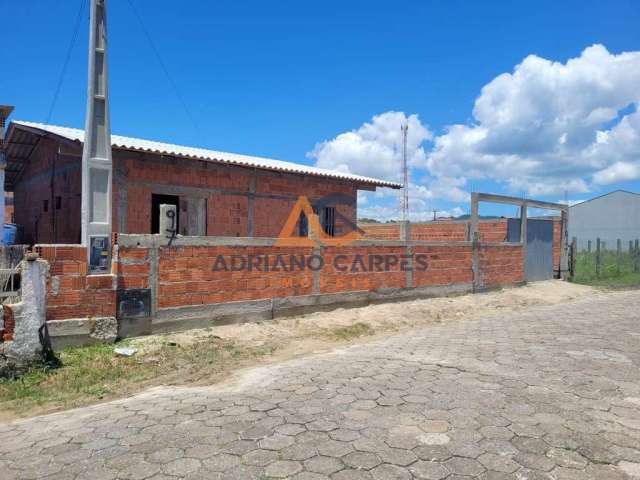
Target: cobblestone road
pixel 550 393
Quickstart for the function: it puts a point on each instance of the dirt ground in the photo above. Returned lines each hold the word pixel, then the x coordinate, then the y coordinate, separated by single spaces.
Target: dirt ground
pixel 295 336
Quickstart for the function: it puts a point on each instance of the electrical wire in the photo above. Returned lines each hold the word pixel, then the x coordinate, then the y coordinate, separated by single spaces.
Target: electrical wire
pixel 67 59
pixel 163 65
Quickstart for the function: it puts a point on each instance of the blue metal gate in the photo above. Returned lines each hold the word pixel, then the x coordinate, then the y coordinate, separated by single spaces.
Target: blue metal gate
pixel 539 252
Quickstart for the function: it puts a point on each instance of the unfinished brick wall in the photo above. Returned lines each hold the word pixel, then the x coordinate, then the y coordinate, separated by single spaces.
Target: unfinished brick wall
pixel 133 267
pixel 500 265
pixel 192 275
pixel 380 231
pixel 8 324
pixel 233 194
pixel 447 265
pixel 353 269
pixel 47 196
pixel 439 231
pixel 71 293
pixel 186 275
pixel 493 230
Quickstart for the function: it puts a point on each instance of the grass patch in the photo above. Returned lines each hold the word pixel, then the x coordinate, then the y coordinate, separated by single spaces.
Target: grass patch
pixel 94 372
pixel 616 270
pixel 352 331
pixel 626 280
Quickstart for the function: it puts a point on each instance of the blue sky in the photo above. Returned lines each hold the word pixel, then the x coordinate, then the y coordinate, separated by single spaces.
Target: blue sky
pixel 536 108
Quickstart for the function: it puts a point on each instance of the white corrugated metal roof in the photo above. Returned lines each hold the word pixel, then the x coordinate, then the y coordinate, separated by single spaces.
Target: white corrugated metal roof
pixel 138 144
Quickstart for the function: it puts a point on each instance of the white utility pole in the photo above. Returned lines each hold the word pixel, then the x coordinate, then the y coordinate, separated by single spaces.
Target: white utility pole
pixel 96 154
pixel 405 174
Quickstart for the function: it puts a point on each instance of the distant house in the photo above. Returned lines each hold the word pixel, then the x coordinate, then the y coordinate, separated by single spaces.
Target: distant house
pixel 613 216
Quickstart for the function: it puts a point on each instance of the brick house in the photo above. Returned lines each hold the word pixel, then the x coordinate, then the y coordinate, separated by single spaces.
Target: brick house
pixel 217 193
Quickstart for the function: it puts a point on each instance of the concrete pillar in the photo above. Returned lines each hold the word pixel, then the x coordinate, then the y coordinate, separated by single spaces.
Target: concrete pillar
pixel 29 315
pixel 405 230
pixel 564 245
pixel 473 227
pixel 523 236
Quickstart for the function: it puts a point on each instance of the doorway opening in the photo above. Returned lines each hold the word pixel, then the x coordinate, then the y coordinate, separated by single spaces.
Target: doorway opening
pixel 157 200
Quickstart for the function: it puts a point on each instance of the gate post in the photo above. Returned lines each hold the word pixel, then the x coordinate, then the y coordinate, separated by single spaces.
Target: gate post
pixel 29 315
pixel 523 237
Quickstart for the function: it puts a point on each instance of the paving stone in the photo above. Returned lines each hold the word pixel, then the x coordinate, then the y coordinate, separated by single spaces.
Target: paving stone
pixel 221 462
pixel 352 474
pixel 283 469
pixel 567 458
pixel 464 466
pixel 165 455
pixel 498 463
pixel 309 476
pixel 181 467
pixel 277 442
pixel 325 465
pixel 260 457
pixel 541 394
pixel 428 470
pixel 361 460
pixel 397 456
pixel 298 452
pixel 435 426
pixel 333 448
pixel 433 453
pixel 390 472
pixel 533 461
pixel 138 471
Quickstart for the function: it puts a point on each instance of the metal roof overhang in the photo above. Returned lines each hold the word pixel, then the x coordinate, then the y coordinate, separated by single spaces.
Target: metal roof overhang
pixel 19 145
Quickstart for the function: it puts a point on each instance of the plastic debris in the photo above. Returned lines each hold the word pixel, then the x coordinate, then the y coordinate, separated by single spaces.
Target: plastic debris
pixel 125 351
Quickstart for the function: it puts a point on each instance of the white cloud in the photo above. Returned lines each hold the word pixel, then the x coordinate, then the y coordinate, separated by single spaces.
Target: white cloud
pixel 545 129
pixel 618 172
pixel 375 149
pixel 549 127
pixel 384 213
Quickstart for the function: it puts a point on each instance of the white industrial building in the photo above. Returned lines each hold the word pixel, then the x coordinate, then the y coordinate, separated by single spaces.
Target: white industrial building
pixel 613 216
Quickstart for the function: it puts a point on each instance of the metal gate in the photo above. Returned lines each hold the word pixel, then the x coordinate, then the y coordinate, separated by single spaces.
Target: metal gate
pixel 10 258
pixel 539 252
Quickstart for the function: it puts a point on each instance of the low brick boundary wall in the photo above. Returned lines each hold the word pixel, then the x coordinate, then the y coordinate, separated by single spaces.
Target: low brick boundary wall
pixel 438 231
pixel 195 282
pixel 71 292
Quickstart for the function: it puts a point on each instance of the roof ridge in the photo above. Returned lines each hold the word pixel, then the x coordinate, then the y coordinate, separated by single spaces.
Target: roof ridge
pixel 604 195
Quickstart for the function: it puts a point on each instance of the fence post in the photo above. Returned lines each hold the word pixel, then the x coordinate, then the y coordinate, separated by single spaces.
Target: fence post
pixel 636 258
pixel 598 257
pixel 589 246
pixel 574 252
pixel 619 254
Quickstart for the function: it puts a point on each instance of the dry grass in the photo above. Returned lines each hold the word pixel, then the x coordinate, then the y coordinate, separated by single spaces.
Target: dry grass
pixel 93 373
pixel 350 332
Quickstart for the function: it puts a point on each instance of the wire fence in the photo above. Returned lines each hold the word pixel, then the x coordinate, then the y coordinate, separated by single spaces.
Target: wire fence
pixel 600 261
